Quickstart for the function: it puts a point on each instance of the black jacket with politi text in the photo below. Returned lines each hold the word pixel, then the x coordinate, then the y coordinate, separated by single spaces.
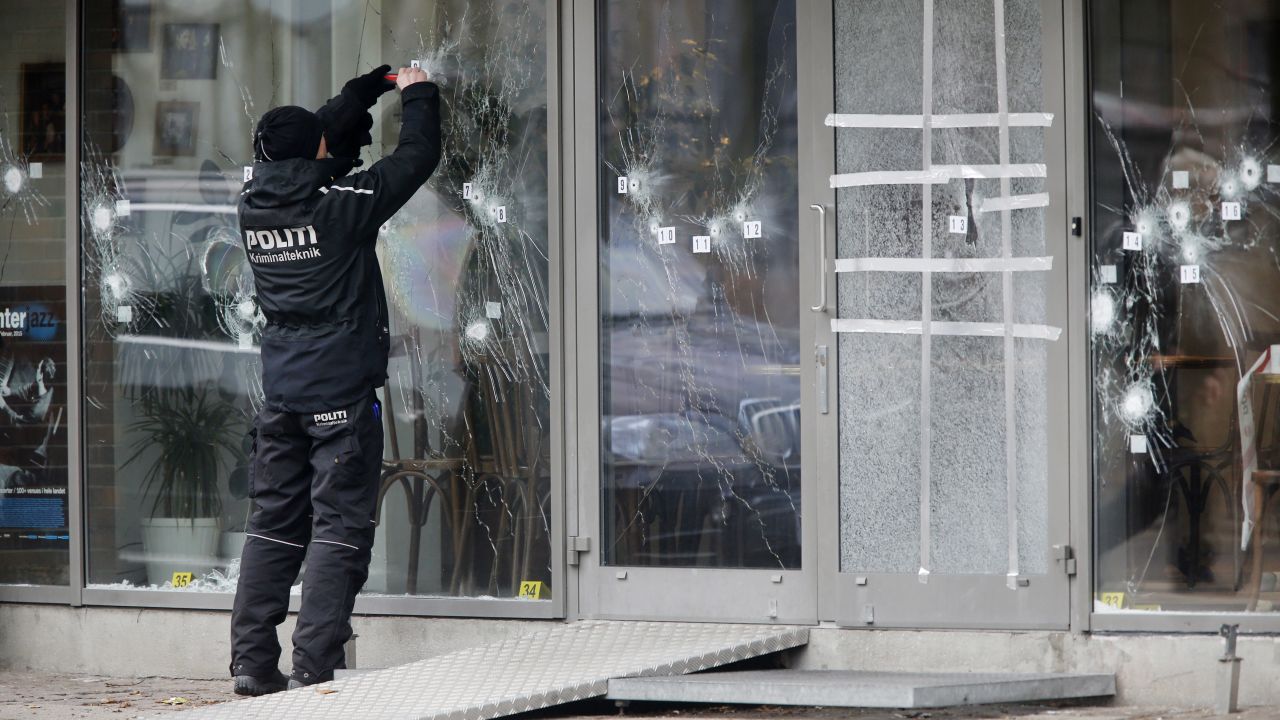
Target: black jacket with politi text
pixel 310 232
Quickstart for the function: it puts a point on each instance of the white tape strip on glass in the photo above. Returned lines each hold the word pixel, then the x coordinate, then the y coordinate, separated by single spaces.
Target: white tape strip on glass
pixel 182 343
pixel 973 329
pixel 1010 350
pixel 945 265
pixel 916 122
pixel 938 174
pixel 893 177
pixel 183 207
pixel 1015 202
pixel 926 299
pixel 982 172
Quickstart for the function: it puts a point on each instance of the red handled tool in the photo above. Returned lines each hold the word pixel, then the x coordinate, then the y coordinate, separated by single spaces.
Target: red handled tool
pixel 391 77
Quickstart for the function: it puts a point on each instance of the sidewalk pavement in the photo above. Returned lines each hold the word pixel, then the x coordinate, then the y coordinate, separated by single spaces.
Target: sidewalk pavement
pixel 51 696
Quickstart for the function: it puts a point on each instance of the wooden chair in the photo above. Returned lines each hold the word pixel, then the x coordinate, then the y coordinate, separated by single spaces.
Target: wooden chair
pixel 1193 471
pixel 1265 484
pixel 428 474
pixel 516 464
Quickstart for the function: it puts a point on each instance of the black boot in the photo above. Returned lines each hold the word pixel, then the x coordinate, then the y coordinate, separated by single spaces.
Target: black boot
pixel 255 686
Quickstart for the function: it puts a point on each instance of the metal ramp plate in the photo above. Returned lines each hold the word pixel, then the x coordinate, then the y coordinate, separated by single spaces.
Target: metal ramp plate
pixel 569 663
pixel 861 689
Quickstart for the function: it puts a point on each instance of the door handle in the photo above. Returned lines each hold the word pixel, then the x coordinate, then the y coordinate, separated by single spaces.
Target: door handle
pixel 822 259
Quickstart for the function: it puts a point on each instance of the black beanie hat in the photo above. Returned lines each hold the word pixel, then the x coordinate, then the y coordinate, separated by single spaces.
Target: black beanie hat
pixel 287 132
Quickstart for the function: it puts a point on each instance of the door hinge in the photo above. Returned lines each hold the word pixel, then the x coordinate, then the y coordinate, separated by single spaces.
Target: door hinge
pixel 578 546
pixel 1066 556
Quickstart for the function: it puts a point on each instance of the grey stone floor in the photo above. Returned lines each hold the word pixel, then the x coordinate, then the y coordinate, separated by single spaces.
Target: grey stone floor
pixel 49 696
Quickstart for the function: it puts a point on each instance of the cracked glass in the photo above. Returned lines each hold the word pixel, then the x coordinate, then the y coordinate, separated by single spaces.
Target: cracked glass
pixel 943 368
pixel 34 532
pixel 172 373
pixel 1183 317
pixel 699 283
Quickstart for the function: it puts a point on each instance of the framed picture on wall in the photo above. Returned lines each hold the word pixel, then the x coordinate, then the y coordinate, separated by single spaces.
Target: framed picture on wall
pixel 43 98
pixel 190 52
pixel 176 128
pixel 135 26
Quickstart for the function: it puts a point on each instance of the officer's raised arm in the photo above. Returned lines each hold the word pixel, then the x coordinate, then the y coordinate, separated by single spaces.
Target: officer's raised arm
pixel 371 197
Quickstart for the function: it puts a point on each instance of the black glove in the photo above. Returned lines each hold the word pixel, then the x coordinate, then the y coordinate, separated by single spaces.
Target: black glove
pixel 346 119
pixel 367 88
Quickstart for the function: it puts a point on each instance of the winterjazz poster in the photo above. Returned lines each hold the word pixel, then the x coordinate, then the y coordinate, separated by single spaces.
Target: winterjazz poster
pixel 33 434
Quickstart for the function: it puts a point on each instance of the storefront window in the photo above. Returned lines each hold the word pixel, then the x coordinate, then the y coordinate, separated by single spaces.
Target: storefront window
pixel 172 369
pixel 699 283
pixel 34 536
pixel 1184 313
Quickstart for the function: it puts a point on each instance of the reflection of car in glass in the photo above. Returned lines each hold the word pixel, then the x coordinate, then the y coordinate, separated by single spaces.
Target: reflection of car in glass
pixel 711 432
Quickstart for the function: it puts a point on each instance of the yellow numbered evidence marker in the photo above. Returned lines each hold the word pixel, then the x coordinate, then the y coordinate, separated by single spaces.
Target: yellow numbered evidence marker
pixel 531 590
pixel 182 579
pixel 1112 599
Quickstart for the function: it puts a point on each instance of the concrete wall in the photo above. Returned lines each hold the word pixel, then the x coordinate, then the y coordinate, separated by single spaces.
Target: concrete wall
pixel 196 644
pixel 1160 670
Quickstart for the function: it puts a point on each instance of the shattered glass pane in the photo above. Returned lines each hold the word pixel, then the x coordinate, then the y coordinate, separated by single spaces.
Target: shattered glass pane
pixel 952 427
pixel 699 283
pixel 172 323
pixel 1182 305
pixel 34 532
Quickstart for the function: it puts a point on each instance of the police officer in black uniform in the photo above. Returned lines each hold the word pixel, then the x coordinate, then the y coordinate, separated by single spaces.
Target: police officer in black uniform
pixel 309 230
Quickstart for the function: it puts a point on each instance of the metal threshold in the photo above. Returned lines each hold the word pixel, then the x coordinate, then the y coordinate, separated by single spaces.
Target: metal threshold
pixel 861 689
pixel 572 662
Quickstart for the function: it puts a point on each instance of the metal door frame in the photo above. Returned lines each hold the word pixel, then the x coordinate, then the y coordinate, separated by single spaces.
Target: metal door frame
pixel 862 599
pixel 629 592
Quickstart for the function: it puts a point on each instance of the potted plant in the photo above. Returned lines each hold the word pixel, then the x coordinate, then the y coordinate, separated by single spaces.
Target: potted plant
pixel 187 435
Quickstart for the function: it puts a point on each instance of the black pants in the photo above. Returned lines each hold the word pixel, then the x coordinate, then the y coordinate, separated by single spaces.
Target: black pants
pixel 313 480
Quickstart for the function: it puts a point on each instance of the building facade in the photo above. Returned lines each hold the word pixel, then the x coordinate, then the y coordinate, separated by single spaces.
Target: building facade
pixel 941 314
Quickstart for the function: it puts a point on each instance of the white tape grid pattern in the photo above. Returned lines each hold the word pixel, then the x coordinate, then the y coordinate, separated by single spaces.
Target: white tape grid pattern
pixel 938 175
pixel 1005 204
pixel 916 122
pixel 572 662
pixel 944 265
pixel 937 327
pixel 926 265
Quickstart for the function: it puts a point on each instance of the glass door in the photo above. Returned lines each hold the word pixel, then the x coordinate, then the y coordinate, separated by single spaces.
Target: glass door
pixel 691 488
pixel 942 184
